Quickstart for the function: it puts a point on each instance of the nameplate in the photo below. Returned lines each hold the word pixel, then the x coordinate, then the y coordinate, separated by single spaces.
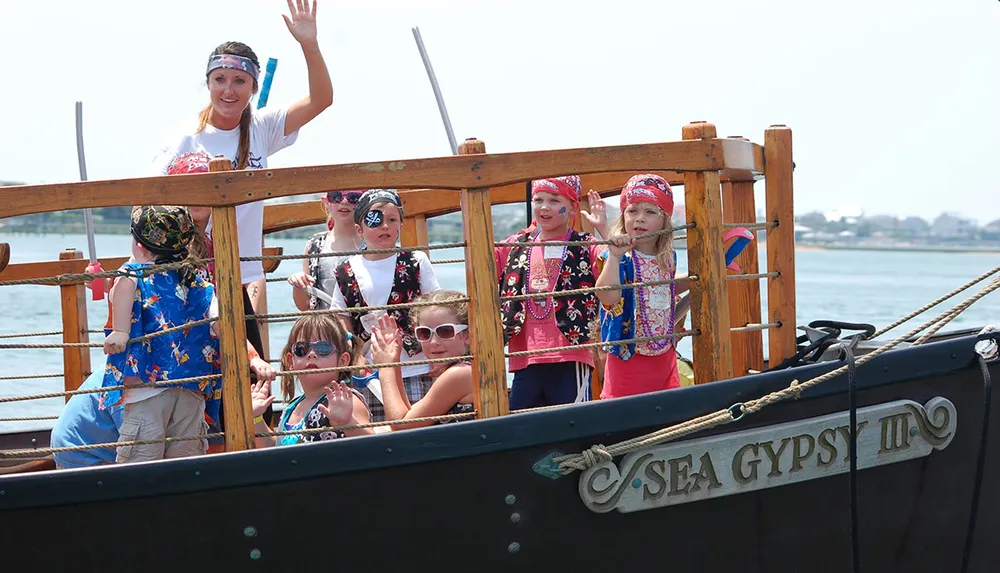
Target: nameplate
pixel 766 457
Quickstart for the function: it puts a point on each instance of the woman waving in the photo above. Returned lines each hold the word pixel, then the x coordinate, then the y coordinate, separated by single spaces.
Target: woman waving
pixel 228 126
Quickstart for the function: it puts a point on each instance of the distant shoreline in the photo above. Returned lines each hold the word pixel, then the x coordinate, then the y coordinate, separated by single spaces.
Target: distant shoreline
pixel 901 248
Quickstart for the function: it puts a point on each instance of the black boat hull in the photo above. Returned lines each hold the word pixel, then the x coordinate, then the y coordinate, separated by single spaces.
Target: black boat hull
pixel 464 497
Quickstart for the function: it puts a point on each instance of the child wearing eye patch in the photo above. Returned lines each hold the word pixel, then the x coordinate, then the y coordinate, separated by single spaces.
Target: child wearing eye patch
pixel 341 235
pixel 377 279
pixel 442 331
pixel 316 342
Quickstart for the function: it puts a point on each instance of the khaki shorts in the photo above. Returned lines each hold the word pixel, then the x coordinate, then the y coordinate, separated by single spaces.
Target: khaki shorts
pixel 173 413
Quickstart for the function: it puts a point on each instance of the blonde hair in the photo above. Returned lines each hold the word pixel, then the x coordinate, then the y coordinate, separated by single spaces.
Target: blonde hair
pixel 664 243
pixel 449 299
pixel 317 327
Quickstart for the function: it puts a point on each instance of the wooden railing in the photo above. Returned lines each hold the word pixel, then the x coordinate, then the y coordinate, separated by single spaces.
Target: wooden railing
pixel 717 174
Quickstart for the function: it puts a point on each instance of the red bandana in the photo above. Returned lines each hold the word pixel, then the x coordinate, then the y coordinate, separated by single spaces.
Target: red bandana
pixel 193 162
pixel 648 188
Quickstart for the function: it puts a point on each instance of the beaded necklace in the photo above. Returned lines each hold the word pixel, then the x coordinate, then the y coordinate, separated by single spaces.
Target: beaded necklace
pixel 641 306
pixel 547 304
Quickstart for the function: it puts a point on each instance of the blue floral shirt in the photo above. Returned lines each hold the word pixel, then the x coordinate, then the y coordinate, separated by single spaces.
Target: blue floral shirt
pixel 162 301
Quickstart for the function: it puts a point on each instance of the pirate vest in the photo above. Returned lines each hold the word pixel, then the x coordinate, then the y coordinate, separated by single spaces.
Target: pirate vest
pixel 573 313
pixel 405 288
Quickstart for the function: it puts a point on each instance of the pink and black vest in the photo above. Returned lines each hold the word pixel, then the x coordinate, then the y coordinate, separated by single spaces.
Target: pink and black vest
pixel 573 313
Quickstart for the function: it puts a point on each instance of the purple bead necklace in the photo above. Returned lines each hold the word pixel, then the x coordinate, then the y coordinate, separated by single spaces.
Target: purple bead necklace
pixel 547 304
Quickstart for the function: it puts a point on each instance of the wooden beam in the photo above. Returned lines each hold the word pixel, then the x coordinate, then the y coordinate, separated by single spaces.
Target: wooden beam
pixel 271 266
pixel 713 353
pixel 239 428
pixel 284 216
pixel 780 242
pixel 455 172
pixel 4 256
pixel 414 232
pixel 489 372
pixel 436 202
pixel 73 297
pixel 29 271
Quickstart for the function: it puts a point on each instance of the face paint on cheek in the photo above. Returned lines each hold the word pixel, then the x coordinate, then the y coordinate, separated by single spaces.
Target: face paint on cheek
pixel 562 212
pixel 374 218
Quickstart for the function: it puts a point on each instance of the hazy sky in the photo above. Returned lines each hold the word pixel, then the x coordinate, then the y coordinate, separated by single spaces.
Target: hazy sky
pixel 893 104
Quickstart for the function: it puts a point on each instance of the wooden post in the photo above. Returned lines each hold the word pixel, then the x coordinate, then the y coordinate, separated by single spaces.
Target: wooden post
pixel 232 329
pixel 489 373
pixel 76 361
pixel 744 295
pixel 713 352
pixel 4 256
pixel 261 308
pixel 414 232
pixel 780 242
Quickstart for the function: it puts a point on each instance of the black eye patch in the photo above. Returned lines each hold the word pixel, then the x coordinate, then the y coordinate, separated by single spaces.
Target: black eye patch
pixel 374 218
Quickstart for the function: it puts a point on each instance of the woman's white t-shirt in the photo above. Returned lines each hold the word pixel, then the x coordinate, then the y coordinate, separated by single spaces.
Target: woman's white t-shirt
pixel 375 280
pixel 267 136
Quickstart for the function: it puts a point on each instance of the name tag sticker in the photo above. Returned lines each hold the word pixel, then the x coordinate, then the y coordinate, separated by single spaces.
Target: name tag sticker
pixel 659 297
pixel 553 252
pixel 370 320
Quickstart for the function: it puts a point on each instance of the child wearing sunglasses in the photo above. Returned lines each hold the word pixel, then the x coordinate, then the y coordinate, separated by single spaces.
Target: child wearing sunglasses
pixel 442 331
pixel 376 279
pixel 341 235
pixel 316 342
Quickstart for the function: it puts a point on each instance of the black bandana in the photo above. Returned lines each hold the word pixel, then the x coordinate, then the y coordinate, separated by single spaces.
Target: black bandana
pixel 372 197
pixel 163 230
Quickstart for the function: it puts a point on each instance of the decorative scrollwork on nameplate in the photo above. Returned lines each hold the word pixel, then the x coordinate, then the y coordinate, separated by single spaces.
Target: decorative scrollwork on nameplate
pixel 766 457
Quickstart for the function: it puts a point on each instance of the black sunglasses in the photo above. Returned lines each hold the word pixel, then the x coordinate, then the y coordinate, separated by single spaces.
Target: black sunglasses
pixel 322 348
pixel 338 196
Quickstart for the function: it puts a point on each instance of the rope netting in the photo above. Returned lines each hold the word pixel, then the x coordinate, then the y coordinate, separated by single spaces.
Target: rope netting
pixel 567 463
pixel 599 453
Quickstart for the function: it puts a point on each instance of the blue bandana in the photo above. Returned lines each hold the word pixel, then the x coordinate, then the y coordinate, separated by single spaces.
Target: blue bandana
pixel 233 62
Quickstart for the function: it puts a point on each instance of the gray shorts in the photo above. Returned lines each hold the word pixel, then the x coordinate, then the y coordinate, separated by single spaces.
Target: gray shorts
pixel 173 413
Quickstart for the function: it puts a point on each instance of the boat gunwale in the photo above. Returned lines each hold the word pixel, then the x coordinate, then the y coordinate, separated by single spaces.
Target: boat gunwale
pixel 578 422
pixel 488 170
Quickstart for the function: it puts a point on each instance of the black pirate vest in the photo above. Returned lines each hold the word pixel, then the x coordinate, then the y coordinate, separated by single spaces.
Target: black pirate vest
pixel 573 313
pixel 405 288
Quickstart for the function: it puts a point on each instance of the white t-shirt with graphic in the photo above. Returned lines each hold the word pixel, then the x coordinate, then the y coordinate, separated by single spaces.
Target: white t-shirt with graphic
pixel 375 280
pixel 267 136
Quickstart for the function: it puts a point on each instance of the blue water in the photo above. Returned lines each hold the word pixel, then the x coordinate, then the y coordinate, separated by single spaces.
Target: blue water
pixel 875 287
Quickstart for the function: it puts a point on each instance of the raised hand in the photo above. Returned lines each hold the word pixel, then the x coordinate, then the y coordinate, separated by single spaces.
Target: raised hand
pixel 302 23
pixel 301 280
pixel 620 244
pixel 340 404
pixel 386 341
pixel 598 214
pixel 260 397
